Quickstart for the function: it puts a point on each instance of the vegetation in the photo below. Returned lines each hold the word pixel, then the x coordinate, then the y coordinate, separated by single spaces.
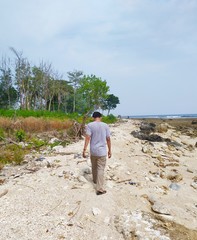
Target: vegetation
pixel 39 87
pixel 37 103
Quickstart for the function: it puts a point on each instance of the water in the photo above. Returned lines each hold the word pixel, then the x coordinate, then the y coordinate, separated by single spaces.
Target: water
pixel 163 116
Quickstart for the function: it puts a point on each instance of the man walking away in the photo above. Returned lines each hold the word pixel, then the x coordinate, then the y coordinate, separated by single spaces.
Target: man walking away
pixel 98 134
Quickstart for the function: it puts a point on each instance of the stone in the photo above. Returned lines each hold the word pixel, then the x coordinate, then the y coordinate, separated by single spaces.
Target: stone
pixel 195 179
pixel 162 128
pixel 82 179
pixel 194 185
pixel 160 208
pixel 54 140
pixel 175 177
pixel 146 149
pixel 174 186
pixel 190 171
pixel 147 127
pixel 96 211
pixel 58 149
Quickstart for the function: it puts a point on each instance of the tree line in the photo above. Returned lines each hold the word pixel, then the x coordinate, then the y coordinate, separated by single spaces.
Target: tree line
pixel 40 87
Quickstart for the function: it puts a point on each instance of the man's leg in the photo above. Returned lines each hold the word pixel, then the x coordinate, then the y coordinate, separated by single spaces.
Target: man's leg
pixel 101 162
pixel 94 168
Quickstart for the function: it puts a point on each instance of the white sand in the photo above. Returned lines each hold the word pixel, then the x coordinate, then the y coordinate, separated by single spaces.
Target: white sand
pixel 59 202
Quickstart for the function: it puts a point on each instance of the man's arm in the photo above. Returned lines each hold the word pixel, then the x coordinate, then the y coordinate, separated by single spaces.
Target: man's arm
pixel 87 140
pixel 109 146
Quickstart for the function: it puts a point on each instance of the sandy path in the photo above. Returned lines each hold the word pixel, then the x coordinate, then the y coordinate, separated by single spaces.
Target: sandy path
pixel 59 202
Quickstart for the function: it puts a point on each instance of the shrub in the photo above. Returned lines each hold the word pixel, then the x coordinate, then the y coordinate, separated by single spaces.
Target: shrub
pixel 109 119
pixel 11 154
pixel 2 134
pixel 20 135
pixel 38 143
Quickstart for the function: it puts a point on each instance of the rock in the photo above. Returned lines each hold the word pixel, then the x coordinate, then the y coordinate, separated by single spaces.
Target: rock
pixel 146 149
pixel 160 208
pixel 162 128
pixel 194 122
pixel 195 179
pixel 190 147
pixel 147 127
pixel 196 145
pixel 175 144
pixel 2 180
pixel 194 185
pixel 54 140
pixel 41 158
pixel 87 170
pixel 190 171
pixel 4 193
pixel 58 149
pixel 77 155
pixel 96 211
pixel 175 177
pixel 151 137
pixel 82 179
pixel 107 220
pixel 174 186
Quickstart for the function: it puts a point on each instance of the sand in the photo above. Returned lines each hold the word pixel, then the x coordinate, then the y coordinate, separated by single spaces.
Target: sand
pixel 151 191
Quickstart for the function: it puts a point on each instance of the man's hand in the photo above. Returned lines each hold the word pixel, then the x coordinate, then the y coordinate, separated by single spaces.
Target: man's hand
pixel 109 154
pixel 84 154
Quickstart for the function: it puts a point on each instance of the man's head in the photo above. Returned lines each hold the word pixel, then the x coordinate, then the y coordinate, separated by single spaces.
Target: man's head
pixel 96 115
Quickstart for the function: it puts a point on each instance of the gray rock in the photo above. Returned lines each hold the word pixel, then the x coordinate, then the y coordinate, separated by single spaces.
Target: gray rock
pixel 160 208
pixel 96 211
pixel 174 186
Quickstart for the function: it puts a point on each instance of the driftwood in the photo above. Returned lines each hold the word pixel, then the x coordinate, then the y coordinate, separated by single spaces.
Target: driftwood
pixel 125 180
pixel 81 161
pixel 46 214
pixel 3 193
pixel 79 128
pixel 8 140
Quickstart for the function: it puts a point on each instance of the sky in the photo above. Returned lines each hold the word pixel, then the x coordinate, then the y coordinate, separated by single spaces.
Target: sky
pixel 146 50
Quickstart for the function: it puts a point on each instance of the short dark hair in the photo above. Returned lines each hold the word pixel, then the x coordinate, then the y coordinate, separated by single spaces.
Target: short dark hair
pixel 96 115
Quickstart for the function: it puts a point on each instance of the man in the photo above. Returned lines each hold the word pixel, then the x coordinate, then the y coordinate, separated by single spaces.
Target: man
pixel 98 134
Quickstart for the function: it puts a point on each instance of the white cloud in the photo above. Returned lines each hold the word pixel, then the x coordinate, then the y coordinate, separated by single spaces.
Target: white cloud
pixel 128 42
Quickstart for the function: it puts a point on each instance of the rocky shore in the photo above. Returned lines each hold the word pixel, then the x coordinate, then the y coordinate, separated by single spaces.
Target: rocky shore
pixel 151 183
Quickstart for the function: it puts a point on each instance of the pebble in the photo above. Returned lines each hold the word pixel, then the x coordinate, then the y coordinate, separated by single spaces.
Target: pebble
pixel 174 186
pixel 159 208
pixel 96 211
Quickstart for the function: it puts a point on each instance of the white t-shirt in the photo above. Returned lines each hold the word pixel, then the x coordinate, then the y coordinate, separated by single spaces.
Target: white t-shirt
pixel 98 131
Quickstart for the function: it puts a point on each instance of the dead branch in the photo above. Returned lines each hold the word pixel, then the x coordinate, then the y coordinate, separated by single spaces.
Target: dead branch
pixel 52 209
pixel 77 210
pixel 125 180
pixel 3 193
pixel 8 140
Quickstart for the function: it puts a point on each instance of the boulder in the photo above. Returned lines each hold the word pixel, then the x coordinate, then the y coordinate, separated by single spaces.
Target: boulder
pixel 162 128
pixel 147 127
pixel 148 137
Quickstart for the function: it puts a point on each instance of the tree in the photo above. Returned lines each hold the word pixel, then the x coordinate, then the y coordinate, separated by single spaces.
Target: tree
pixel 22 78
pixel 74 79
pixel 93 90
pixel 8 94
pixel 110 103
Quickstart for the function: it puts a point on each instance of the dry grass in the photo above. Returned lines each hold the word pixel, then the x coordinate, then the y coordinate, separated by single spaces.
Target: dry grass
pixel 32 124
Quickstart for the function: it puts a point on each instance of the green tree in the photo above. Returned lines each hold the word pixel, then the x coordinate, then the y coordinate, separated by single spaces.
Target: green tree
pixel 110 103
pixel 74 79
pixel 93 91
pixel 22 78
pixel 8 94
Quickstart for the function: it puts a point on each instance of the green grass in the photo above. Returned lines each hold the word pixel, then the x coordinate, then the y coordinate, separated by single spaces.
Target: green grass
pixel 31 113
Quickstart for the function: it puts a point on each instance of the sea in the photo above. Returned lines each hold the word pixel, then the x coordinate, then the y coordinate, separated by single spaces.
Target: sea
pixel 163 116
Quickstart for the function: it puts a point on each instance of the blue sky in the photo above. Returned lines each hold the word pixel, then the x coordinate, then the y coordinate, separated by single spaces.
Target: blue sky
pixel 146 50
